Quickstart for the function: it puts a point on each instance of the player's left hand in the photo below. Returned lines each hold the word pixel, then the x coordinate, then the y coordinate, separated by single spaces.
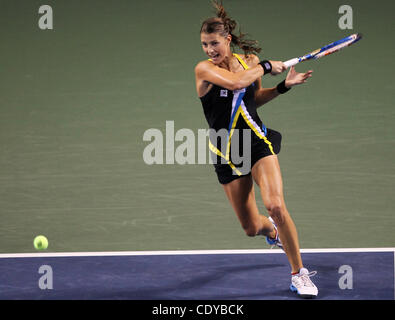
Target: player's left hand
pixel 294 78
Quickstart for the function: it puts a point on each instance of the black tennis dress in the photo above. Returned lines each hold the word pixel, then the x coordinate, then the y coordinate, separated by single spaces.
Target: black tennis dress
pixel 238 137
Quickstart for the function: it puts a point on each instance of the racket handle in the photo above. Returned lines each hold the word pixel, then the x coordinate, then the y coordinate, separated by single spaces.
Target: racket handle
pixel 291 62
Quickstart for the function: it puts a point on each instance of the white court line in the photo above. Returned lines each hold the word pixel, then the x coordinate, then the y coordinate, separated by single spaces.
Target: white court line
pixel 186 252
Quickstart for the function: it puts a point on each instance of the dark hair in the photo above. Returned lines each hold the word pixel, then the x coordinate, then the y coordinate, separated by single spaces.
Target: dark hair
pixel 224 25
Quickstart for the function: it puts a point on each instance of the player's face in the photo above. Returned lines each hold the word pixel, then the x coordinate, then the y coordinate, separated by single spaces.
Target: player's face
pixel 215 46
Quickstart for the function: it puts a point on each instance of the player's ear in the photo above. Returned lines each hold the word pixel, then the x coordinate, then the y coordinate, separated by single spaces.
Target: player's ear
pixel 229 39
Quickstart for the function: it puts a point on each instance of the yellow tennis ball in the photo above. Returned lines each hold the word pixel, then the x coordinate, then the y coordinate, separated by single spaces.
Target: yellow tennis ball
pixel 40 242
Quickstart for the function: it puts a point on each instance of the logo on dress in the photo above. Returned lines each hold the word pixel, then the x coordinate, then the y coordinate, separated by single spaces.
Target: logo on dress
pixel 223 93
pixel 239 91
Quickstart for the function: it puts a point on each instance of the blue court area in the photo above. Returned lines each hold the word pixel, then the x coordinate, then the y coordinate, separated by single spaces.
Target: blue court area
pixel 208 275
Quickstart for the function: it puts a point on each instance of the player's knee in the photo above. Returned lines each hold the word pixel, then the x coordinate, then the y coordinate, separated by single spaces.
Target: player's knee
pixel 251 232
pixel 251 229
pixel 277 211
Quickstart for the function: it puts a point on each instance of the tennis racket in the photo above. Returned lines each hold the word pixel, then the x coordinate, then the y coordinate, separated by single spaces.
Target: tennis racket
pixel 324 51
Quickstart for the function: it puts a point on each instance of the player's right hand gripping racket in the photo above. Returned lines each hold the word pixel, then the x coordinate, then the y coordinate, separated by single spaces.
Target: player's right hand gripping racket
pixel 324 51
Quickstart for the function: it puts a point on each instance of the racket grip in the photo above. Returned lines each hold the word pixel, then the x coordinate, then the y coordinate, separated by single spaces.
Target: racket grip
pixel 291 62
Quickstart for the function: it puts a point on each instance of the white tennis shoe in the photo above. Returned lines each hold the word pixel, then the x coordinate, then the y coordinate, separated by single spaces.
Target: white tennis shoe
pixel 302 284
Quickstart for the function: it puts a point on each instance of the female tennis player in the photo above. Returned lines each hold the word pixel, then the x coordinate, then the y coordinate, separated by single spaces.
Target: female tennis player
pixel 230 88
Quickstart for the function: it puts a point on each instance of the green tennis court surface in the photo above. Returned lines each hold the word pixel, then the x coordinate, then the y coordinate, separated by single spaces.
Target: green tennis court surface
pixel 76 100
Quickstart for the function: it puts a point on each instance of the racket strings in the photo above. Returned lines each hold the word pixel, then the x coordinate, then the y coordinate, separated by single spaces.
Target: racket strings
pixel 333 49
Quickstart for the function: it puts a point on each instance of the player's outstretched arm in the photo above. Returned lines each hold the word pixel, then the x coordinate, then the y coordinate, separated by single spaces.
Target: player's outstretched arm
pixel 264 95
pixel 207 71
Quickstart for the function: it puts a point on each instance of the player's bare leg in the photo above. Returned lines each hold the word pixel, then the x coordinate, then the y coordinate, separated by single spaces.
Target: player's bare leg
pixel 241 195
pixel 266 173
